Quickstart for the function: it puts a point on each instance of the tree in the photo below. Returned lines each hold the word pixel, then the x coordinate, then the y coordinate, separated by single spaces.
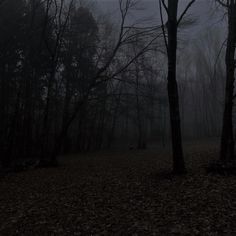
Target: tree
pixel 227 136
pixel 80 47
pixel 59 68
pixel 172 24
pixel 103 72
pixel 24 63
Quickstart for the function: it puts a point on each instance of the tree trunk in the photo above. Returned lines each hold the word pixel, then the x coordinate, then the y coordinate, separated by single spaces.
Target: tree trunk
pixel 227 137
pixel 46 121
pixel 178 158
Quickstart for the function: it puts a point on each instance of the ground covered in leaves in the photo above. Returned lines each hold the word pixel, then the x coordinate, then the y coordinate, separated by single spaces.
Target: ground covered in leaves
pixel 126 193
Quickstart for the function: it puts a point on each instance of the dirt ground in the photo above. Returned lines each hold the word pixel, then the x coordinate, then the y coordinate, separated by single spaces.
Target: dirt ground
pixel 121 193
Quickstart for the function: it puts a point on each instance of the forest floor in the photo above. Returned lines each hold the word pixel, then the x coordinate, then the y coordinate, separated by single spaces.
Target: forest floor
pixel 122 193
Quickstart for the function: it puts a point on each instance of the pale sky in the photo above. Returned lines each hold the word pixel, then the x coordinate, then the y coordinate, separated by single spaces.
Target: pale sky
pixel 203 11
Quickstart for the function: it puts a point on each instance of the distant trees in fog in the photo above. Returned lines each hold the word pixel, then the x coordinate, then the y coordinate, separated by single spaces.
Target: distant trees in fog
pixel 61 70
pixel 72 81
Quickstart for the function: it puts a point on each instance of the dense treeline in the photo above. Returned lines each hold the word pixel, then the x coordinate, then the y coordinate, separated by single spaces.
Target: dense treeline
pixel 57 62
pixel 72 80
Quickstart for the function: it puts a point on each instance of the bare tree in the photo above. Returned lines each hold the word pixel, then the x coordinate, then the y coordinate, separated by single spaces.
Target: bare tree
pixel 125 36
pixel 227 137
pixel 172 24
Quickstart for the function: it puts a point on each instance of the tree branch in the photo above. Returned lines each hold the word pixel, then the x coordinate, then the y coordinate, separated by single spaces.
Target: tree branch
pixel 162 24
pixel 223 3
pixel 185 10
pixel 165 6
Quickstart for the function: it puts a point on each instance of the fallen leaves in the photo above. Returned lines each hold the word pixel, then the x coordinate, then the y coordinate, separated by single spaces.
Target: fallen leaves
pixel 119 194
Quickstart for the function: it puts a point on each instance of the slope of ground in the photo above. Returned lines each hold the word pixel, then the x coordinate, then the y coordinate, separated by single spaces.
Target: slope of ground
pixel 126 193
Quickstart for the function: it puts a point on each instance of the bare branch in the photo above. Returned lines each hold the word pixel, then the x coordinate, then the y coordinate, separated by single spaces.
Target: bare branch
pixel 185 11
pixel 162 24
pixel 165 6
pixel 222 3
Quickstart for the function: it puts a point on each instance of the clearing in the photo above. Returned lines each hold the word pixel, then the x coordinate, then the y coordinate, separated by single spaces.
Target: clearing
pixel 122 193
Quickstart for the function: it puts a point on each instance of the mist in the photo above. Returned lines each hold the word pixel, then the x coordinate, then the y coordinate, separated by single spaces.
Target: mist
pixel 117 117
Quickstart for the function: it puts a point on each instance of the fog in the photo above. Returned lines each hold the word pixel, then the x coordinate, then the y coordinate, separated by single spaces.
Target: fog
pixel 106 106
pixel 128 111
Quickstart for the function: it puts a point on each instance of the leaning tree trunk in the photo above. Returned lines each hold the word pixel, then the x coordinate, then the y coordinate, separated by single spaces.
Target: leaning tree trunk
pixel 227 136
pixel 178 157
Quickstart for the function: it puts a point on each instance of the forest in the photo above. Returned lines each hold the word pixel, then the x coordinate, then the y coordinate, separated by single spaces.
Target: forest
pixel 117 117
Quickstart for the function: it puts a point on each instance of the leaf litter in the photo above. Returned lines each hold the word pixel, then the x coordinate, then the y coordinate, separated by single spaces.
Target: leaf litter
pixel 122 193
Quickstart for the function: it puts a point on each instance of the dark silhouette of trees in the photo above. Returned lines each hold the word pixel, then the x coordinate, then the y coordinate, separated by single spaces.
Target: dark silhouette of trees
pixel 71 81
pixel 23 65
pixel 79 67
pixel 227 136
pixel 58 66
pixel 171 45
